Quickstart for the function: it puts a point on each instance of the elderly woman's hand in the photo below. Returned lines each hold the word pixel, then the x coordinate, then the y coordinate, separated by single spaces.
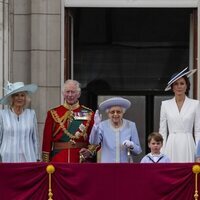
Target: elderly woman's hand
pixel 128 144
pixel 85 154
pixel 97 118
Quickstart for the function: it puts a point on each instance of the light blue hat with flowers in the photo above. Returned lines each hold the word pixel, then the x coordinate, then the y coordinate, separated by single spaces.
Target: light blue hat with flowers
pixel 115 101
pixel 12 88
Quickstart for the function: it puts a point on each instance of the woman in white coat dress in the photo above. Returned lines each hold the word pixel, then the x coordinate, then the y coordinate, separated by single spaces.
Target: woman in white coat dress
pixel 180 120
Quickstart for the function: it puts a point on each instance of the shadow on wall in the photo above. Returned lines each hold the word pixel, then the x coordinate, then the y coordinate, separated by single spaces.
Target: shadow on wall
pixel 89 94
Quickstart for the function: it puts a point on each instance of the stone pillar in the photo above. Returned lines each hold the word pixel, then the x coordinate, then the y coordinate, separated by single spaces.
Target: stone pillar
pixel 36 51
pixel 198 52
pixel 45 55
pixel 4 43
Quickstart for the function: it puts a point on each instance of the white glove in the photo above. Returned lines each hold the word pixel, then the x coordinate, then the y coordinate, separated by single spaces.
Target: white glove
pixel 128 143
pixel 97 118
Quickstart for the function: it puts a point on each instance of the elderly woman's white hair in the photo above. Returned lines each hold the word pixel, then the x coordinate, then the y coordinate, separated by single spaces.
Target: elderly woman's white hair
pixel 108 110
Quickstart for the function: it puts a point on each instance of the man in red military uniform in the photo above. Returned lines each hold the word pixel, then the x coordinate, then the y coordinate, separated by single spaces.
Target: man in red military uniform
pixel 67 128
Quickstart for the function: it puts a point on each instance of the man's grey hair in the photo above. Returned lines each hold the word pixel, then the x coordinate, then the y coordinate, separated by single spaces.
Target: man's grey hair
pixel 76 83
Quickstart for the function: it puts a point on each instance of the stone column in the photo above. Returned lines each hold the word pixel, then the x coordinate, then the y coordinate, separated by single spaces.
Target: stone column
pixel 4 43
pixel 45 56
pixel 36 51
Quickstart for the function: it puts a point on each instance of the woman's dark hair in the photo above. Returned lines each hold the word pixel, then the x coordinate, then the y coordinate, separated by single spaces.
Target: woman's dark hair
pixel 187 83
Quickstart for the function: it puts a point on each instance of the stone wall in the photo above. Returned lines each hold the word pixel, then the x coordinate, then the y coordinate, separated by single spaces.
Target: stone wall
pixel 36 51
pixel 4 43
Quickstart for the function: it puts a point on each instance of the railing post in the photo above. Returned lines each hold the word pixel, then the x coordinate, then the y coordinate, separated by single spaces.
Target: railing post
pixel 196 170
pixel 50 170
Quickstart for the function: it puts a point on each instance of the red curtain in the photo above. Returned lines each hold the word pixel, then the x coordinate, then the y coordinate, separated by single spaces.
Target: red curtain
pixel 87 181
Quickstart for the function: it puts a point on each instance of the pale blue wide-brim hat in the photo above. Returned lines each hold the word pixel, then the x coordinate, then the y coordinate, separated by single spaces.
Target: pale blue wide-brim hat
pixel 12 88
pixel 115 101
pixel 176 76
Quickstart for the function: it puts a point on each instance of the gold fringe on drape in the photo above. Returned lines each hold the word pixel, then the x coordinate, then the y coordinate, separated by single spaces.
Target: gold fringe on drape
pixel 50 170
pixel 196 170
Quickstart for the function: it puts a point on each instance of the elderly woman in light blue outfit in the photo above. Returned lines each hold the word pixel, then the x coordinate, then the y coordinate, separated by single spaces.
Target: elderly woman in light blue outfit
pixel 18 125
pixel 117 136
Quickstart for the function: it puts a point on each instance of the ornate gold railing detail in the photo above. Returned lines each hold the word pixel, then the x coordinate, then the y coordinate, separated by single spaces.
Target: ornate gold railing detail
pixel 50 170
pixel 196 170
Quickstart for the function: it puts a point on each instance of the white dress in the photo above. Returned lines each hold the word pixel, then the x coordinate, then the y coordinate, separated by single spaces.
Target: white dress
pixel 180 130
pixel 18 136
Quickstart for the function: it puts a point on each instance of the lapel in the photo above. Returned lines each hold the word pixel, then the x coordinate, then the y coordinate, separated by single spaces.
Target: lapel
pixel 185 107
pixel 173 108
pixel 177 116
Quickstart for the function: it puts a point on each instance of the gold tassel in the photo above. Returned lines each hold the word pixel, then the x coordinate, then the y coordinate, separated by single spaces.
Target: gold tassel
pixel 196 170
pixel 50 170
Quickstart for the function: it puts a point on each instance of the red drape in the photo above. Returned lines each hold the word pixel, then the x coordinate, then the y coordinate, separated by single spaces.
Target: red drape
pixel 25 181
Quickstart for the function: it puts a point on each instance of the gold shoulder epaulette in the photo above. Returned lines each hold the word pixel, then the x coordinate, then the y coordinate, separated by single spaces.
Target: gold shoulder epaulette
pixel 86 108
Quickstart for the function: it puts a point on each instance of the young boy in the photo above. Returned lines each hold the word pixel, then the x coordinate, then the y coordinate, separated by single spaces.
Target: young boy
pixel 155 142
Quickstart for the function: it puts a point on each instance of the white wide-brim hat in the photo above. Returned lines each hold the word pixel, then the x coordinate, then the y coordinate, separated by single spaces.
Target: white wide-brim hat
pixel 12 88
pixel 115 101
pixel 178 75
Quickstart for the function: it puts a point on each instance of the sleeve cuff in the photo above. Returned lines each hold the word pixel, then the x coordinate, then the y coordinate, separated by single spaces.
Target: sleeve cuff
pixel 45 156
pixel 92 148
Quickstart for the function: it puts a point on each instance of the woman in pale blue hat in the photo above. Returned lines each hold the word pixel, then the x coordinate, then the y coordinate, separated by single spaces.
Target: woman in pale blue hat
pixel 118 137
pixel 180 120
pixel 18 125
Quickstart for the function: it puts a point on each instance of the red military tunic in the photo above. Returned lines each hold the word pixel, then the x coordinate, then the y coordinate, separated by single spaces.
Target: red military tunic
pixel 66 131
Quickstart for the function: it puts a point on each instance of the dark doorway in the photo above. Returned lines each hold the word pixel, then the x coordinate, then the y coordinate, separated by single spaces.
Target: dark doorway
pixel 129 52
pixel 130 49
